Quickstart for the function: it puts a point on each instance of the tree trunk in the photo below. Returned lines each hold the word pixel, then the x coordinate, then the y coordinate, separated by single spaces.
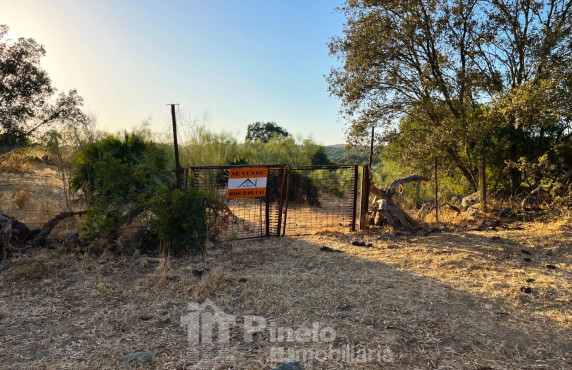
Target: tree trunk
pixel 384 205
pixel 15 234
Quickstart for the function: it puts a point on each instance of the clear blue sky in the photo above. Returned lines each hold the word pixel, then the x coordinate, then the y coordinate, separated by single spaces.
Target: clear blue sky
pixel 239 61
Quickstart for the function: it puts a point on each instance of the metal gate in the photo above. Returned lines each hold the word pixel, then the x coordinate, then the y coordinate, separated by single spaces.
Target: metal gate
pixel 299 200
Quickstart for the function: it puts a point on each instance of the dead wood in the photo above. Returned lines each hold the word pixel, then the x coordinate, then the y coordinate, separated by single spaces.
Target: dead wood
pixel 15 234
pixel 51 224
pixel 385 205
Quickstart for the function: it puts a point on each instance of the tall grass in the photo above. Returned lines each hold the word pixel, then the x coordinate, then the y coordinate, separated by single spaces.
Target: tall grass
pixel 205 147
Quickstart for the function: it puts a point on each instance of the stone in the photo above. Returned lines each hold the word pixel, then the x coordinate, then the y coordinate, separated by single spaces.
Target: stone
pixel 141 356
pixel 470 200
pixel 506 213
pixel 289 366
pixel 199 273
pixel 317 262
pixel 328 249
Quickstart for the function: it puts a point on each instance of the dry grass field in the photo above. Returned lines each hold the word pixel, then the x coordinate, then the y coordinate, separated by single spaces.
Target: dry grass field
pixel 449 300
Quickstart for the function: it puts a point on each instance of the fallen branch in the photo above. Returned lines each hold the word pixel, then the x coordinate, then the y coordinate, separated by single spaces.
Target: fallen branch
pixel 138 258
pixel 51 224
pixel 383 203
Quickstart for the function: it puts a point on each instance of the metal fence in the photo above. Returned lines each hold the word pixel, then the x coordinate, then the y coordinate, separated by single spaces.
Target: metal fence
pixel 299 200
pixel 35 197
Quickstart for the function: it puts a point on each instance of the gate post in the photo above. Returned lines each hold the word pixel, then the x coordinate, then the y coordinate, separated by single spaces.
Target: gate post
pixel 267 207
pixel 354 208
pixel 281 202
pixel 364 201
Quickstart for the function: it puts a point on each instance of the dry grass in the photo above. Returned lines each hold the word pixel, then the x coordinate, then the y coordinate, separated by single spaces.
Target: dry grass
pixel 35 196
pixel 16 161
pixel 448 300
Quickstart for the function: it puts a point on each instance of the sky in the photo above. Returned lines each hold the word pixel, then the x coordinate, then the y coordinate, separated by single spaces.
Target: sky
pixel 233 61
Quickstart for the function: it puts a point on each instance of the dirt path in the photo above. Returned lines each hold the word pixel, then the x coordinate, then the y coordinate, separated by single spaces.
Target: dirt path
pixel 447 300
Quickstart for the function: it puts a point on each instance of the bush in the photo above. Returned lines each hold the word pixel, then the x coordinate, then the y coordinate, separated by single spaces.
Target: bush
pixel 120 179
pixel 183 219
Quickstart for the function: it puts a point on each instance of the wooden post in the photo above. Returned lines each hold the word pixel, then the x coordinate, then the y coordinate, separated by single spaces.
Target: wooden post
pixel 364 201
pixel 436 194
pixel 354 204
pixel 176 144
pixel 417 188
pixel 371 146
pixel 483 184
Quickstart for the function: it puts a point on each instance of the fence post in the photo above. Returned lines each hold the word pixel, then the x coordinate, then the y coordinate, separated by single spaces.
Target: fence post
pixel 281 202
pixel 483 184
pixel 436 194
pixel 267 207
pixel 364 201
pixel 354 208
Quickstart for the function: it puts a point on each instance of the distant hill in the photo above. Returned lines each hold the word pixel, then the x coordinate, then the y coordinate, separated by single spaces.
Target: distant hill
pixel 338 154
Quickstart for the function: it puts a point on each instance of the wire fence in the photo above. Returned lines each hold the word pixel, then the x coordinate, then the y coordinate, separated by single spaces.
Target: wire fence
pixel 34 198
pixel 297 201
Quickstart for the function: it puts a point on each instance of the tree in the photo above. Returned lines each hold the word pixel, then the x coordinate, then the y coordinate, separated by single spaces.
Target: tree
pixel 428 71
pixel 264 131
pixel 26 104
pixel 119 177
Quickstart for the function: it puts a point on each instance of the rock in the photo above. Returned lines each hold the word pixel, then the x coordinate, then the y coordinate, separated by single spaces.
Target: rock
pixel 506 213
pixel 289 366
pixel 142 355
pixel 328 249
pixel 317 262
pixel 358 243
pixel 199 273
pixel 71 240
pixel 470 200
pixel 145 317
pixel 217 252
pixel 551 267
pixel 71 237
pixel 526 290
pixel 345 307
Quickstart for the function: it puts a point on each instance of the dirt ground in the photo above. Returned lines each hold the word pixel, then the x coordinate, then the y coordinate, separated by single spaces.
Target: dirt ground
pixel 452 300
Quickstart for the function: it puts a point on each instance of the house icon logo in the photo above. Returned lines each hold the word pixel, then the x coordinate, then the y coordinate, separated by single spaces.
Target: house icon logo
pixel 248 183
pixel 202 320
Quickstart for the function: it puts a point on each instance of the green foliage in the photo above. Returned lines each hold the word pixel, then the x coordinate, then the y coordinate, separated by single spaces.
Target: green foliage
pixel 208 148
pixel 457 80
pixel 264 131
pixel 120 169
pixel 26 104
pixel 117 176
pixel 183 218
pixel 303 189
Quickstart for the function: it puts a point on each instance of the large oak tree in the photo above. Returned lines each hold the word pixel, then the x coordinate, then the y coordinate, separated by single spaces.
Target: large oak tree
pixel 446 77
pixel 27 102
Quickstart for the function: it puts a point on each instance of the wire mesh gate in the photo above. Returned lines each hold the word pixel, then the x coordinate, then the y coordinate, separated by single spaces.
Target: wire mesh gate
pixel 299 200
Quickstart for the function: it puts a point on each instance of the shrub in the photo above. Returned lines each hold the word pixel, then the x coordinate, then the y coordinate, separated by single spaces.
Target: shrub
pixel 183 219
pixel 120 178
